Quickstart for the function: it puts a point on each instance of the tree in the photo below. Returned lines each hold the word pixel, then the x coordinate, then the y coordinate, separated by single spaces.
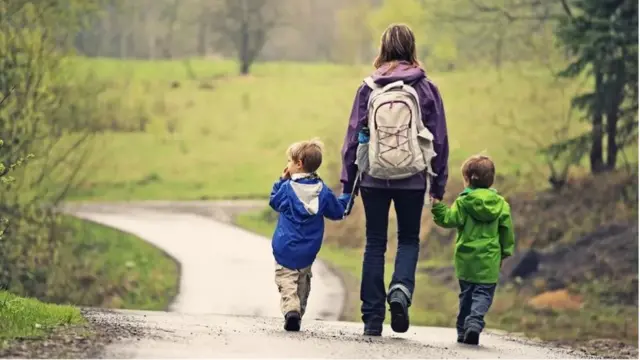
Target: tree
pixel 170 14
pixel 354 41
pixel 603 35
pixel 555 122
pixel 43 112
pixel 245 25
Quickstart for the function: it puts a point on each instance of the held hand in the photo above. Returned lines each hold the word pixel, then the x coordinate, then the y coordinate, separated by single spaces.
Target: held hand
pixel 346 198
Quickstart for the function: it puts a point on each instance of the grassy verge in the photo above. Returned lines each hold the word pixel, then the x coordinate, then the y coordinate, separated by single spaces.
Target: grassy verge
pixel 29 318
pixel 435 304
pixel 105 267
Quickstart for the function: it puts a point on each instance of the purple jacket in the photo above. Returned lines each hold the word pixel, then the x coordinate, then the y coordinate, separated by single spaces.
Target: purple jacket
pixel 432 116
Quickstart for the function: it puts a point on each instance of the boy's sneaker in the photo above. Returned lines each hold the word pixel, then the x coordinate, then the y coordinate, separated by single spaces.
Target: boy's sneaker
pixel 292 321
pixel 471 337
pixel 460 338
pixel 399 311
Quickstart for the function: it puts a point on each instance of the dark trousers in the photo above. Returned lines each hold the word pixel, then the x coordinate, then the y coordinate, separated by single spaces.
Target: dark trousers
pixel 475 301
pixel 408 205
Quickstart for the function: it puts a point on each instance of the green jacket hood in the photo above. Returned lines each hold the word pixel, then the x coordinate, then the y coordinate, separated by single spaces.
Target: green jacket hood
pixel 484 205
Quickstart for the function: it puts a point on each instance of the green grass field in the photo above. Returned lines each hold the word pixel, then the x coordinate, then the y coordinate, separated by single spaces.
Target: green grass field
pixel 217 135
pixel 29 318
pixel 108 268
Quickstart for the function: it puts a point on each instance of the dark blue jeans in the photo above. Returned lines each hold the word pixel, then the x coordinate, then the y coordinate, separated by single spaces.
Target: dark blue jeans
pixel 475 301
pixel 408 205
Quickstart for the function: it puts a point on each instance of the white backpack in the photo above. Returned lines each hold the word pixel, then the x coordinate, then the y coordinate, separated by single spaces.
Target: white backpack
pixel 400 145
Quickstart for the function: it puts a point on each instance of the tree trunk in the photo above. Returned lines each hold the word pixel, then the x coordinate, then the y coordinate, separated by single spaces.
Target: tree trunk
pixel 616 96
pixel 244 53
pixel 244 68
pixel 146 33
pixel 134 31
pixel 151 39
pixel 203 32
pixel 612 144
pixel 597 164
pixel 168 50
pixel 122 42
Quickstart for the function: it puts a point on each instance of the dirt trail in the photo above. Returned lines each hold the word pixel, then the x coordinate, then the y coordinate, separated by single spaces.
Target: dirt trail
pixel 228 304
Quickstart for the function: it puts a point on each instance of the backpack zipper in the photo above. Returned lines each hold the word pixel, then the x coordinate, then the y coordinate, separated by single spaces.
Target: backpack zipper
pixel 375 123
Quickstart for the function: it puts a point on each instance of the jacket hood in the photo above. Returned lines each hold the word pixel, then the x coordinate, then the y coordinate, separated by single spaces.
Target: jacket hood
pixel 484 205
pixel 305 197
pixel 404 71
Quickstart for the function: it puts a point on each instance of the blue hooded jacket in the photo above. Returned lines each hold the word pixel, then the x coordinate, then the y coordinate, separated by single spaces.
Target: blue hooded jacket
pixel 302 203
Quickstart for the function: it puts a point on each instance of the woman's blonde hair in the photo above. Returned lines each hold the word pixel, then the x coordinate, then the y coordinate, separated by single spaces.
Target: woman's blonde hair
pixel 397 43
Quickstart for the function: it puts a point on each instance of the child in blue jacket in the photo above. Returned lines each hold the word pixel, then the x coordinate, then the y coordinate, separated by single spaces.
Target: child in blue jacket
pixel 302 201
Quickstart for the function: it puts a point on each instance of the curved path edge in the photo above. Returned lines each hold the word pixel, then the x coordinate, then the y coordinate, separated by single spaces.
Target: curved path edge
pixel 224 269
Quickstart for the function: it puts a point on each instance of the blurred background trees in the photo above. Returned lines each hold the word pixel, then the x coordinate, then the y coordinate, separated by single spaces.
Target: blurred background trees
pixel 597 38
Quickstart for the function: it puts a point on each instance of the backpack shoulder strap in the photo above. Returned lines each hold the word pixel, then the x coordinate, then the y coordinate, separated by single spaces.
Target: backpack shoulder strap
pixel 370 83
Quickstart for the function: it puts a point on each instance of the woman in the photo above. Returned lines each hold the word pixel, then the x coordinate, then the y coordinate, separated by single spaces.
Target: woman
pixel 396 61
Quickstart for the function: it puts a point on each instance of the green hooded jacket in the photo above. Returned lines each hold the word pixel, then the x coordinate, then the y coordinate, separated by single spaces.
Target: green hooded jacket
pixel 485 233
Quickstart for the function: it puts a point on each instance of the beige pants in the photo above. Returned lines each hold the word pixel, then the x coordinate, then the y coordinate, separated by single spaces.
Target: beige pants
pixel 294 287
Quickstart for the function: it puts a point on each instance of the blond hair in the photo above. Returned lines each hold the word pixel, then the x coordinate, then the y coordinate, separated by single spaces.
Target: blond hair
pixel 308 152
pixel 397 43
pixel 479 171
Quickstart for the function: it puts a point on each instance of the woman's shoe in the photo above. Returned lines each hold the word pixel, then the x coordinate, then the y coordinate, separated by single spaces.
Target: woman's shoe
pixel 399 312
pixel 471 337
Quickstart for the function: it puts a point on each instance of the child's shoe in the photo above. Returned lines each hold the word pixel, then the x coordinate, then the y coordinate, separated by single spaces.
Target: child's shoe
pixel 292 321
pixel 460 338
pixel 471 337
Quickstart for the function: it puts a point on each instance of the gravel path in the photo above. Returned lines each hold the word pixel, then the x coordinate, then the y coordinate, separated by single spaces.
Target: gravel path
pixel 228 304
pixel 175 335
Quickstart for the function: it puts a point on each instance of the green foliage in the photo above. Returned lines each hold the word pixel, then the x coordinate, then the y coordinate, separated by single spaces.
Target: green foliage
pixel 50 112
pixel 102 267
pixel 5 180
pixel 603 35
pixel 409 12
pixel 31 57
pixel 354 44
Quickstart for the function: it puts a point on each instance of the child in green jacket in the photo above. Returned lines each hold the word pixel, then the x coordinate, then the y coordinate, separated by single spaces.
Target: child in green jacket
pixel 485 237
